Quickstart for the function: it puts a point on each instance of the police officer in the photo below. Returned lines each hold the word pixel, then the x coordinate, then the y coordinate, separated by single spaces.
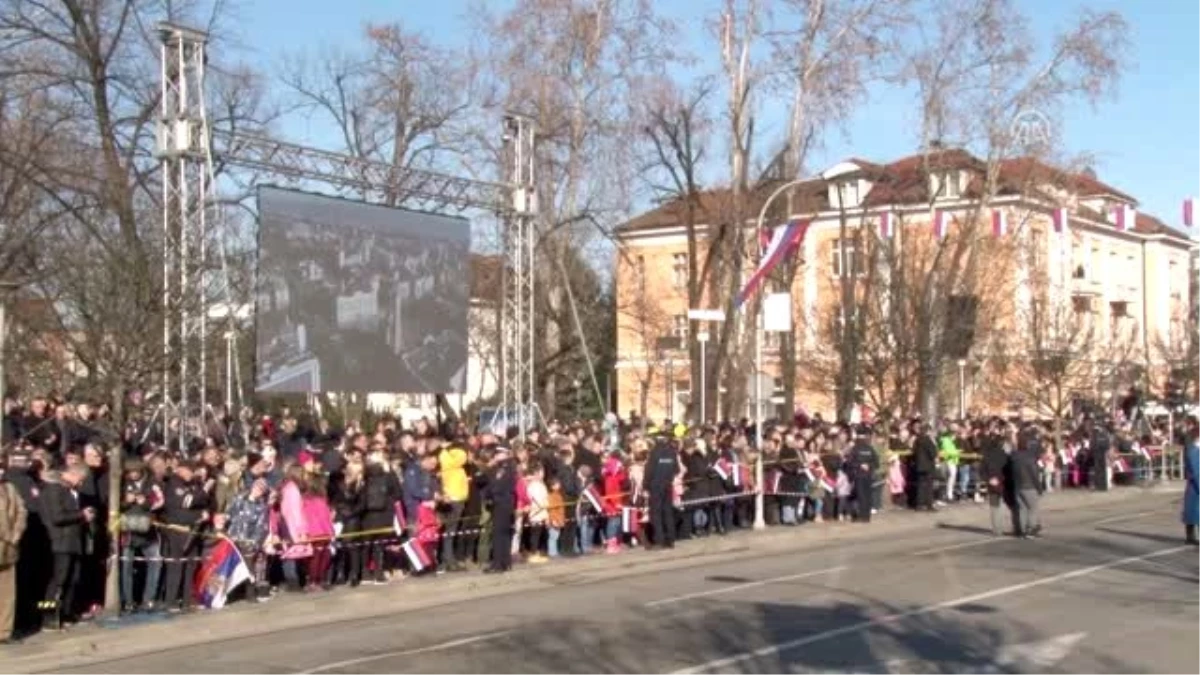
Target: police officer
pixel 863 463
pixel 661 469
pixel 185 509
pixel 502 495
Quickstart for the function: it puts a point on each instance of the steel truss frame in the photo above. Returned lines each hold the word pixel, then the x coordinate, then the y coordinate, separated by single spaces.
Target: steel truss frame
pixel 187 147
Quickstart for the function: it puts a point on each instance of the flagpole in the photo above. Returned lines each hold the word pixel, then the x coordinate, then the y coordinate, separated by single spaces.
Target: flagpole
pixel 759 509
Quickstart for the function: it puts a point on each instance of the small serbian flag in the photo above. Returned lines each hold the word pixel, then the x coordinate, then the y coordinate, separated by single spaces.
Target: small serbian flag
pixel 722 469
pixel 999 223
pixel 1141 450
pixel 941 222
pixel 592 497
pixel 417 556
pixel 1124 217
pixel 887 225
pixel 1061 219
pixel 1189 212
pixel 629 520
pixel 1119 466
pixel 735 474
pixel 223 570
pixel 808 474
pixel 399 521
pixel 776 476
pixel 1065 456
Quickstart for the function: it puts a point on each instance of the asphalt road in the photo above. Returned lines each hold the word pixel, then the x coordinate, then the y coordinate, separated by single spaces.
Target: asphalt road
pixel 1107 589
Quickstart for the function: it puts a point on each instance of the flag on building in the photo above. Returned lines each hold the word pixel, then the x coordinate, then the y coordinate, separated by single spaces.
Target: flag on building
pixel 418 557
pixel 764 238
pixel 223 570
pixel 784 240
pixel 592 496
pixel 629 520
pixel 887 225
pixel 1124 217
pixel 1061 219
pixel 941 222
pixel 1189 212
pixel 999 223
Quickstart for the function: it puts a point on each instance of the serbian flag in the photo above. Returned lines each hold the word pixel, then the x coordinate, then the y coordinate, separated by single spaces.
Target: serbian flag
pixel 1065 456
pixel 1119 466
pixel 417 556
pixel 735 474
pixel 941 222
pixel 1141 450
pixel 887 225
pixel 1124 217
pixel 999 223
pixel 592 497
pixel 223 570
pixel 776 476
pixel 1189 212
pixel 830 484
pixel 764 238
pixel 1061 219
pixel 783 241
pixel 722 469
pixel 808 474
pixel 629 520
pixel 399 521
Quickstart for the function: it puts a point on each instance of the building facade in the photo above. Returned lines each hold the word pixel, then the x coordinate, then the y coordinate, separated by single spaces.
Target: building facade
pixel 1030 260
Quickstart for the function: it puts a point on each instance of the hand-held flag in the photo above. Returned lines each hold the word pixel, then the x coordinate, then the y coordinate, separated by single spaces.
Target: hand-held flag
pixel 223 570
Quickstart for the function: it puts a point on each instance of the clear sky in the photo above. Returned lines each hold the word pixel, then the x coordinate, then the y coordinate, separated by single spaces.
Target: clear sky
pixel 1147 141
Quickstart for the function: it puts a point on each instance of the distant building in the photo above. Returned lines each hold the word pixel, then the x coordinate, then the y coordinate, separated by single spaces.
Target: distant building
pixel 1134 285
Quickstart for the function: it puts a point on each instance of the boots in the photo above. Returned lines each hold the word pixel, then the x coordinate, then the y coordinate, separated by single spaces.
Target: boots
pixel 1191 535
pixel 613 545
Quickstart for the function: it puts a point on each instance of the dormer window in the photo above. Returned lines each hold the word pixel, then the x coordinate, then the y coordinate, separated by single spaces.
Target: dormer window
pixel 850 195
pixel 946 184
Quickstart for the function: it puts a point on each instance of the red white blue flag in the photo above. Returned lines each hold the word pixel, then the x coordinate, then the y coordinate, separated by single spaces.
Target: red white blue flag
pixel 721 468
pixel 1061 219
pixel 223 570
pixel 417 556
pixel 783 241
pixel 629 519
pixel 887 225
pixel 1189 212
pixel 999 223
pixel 592 497
pixel 1124 217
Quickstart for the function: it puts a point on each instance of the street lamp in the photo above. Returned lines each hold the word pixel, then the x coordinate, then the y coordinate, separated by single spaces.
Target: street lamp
pixel 717 316
pixel 962 389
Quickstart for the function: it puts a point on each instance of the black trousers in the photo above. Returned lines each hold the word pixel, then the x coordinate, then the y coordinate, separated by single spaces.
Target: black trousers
pixel 502 535
pixel 351 556
pixel 925 490
pixel 64 578
pixel 662 516
pixel 467 540
pixel 566 539
pixel 452 521
pixel 181 550
pixel 863 496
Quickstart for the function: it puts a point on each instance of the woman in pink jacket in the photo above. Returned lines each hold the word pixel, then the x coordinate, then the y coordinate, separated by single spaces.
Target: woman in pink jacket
pixel 318 523
pixel 292 525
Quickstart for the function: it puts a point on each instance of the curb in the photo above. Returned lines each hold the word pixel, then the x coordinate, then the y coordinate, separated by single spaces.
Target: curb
pixel 94 644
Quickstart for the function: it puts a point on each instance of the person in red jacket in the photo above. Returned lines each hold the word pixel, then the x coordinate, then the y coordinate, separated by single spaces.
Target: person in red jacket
pixel 616 487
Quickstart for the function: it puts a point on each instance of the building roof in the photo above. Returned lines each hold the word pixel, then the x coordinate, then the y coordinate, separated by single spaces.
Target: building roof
pixel 905 181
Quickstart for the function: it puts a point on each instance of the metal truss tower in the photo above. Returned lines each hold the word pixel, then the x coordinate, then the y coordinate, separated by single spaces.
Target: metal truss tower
pixel 183 146
pixel 187 147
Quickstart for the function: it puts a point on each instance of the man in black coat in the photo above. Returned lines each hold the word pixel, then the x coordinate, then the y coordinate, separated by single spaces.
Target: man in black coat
pixel 1100 443
pixel 185 510
pixel 58 504
pixel 992 471
pixel 1027 483
pixel 661 469
pixel 863 462
pixel 502 495
pixel 925 454
pixel 34 563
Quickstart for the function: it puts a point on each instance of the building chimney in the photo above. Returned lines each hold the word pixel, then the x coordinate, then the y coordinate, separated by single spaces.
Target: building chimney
pixel 1088 172
pixel 937 144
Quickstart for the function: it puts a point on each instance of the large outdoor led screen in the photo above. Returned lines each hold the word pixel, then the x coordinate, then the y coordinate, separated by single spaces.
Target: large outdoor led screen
pixel 354 297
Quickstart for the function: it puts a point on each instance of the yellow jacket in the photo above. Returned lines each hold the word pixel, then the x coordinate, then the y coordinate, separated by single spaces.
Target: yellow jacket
pixel 455 485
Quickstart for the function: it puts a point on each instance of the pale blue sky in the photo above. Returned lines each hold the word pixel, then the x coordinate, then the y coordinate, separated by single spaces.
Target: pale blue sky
pixel 1147 141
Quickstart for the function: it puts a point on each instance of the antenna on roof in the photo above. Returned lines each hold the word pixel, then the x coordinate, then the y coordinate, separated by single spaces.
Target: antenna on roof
pixel 1088 172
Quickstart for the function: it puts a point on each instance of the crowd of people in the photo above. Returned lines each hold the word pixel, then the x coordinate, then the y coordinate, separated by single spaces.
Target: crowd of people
pixel 310 507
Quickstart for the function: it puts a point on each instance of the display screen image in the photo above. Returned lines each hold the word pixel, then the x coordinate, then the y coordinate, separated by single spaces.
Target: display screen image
pixel 354 297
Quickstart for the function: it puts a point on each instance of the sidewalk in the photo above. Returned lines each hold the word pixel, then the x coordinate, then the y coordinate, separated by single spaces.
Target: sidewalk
pixel 100 642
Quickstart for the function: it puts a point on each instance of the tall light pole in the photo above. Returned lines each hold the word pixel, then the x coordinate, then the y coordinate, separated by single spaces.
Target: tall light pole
pixel 759 521
pixel 962 389
pixel 717 316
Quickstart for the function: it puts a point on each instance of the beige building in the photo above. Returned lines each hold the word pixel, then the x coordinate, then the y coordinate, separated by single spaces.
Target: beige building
pixel 1114 282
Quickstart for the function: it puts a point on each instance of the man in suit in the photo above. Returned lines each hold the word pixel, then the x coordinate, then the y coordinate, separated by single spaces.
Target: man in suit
pixel 58 503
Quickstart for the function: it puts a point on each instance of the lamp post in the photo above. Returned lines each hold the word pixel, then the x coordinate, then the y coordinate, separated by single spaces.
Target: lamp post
pixel 759 521
pixel 962 389
pixel 702 337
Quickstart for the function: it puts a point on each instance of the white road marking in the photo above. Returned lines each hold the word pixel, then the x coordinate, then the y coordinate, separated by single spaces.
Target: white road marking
pixel 738 587
pixel 955 547
pixel 1127 516
pixel 408 652
pixel 725 663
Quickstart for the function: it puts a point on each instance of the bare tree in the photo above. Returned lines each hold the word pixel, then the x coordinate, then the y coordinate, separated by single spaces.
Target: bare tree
pixel 975 71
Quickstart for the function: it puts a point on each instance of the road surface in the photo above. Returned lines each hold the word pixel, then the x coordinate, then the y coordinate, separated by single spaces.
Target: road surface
pixel 1109 588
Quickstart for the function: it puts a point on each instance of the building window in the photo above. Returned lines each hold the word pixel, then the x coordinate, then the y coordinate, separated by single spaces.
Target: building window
pixel 680 327
pixel 1119 310
pixel 848 194
pixel 640 271
pixel 679 270
pixel 683 386
pixel 1082 304
pixel 1080 272
pixel 853 258
pixel 945 185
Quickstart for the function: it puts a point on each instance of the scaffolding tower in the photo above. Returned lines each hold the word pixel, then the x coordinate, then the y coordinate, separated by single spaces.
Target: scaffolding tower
pixel 187 147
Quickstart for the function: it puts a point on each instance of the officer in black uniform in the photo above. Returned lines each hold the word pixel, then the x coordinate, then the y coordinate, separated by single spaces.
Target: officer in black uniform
pixel 502 495
pixel 661 469
pixel 185 509
pixel 863 463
